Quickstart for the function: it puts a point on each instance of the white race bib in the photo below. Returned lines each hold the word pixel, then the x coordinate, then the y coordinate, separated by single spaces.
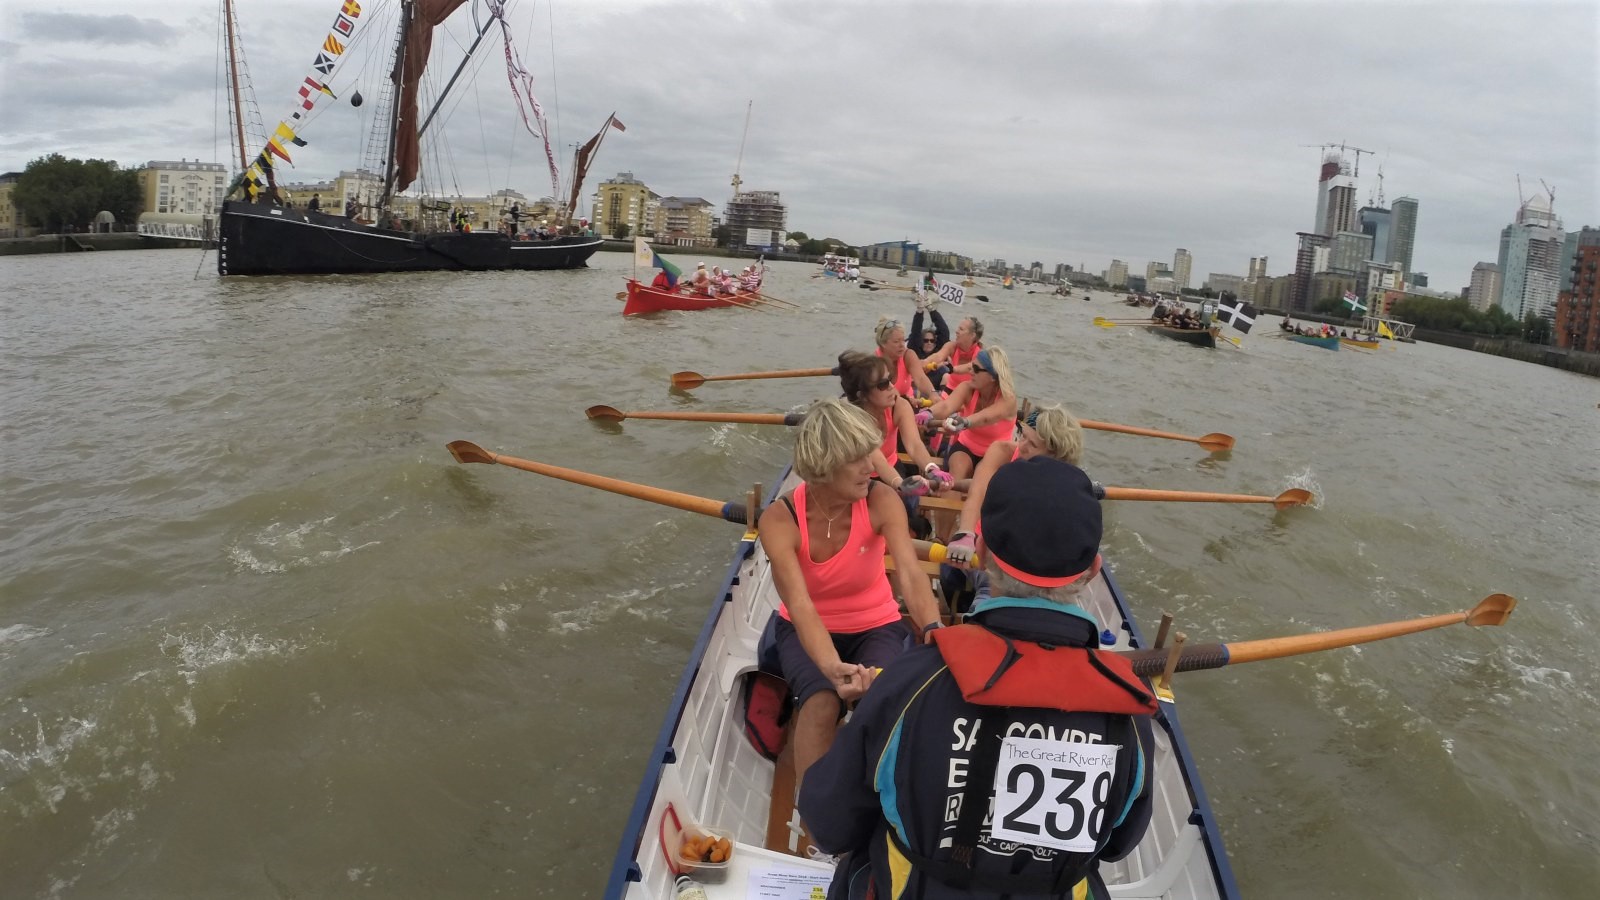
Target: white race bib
pixel 952 293
pixel 1053 794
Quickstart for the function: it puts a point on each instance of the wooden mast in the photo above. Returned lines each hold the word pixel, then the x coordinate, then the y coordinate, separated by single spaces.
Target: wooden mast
pixel 407 11
pixel 233 77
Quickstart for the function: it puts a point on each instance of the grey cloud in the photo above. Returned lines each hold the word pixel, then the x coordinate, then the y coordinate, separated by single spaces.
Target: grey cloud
pixel 80 27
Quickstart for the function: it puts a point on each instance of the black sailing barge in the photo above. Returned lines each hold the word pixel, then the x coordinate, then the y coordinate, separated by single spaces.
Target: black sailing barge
pixel 259 236
pixel 262 238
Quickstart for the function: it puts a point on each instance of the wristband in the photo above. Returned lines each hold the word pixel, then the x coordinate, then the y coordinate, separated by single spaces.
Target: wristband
pixel 931 626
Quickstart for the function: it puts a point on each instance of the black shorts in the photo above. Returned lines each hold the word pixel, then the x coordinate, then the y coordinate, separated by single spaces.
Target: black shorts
pixel 874 647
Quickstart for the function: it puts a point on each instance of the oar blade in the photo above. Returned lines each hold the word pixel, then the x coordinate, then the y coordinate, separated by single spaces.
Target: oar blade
pixel 1292 497
pixel 1494 609
pixel 687 380
pixel 605 413
pixel 468 452
pixel 1215 441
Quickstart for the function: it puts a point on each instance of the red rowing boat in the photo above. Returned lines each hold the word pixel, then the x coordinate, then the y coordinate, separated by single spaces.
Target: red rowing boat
pixel 643 298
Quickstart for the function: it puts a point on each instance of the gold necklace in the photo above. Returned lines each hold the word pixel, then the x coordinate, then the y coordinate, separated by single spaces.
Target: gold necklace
pixel 835 516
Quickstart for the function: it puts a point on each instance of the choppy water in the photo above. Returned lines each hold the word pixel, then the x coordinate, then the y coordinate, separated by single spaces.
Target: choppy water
pixel 261 637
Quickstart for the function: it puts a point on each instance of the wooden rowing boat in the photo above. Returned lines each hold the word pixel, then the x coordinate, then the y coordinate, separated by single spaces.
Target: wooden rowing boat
pixel 1199 337
pixel 1326 343
pixel 643 298
pixel 1356 342
pixel 703 771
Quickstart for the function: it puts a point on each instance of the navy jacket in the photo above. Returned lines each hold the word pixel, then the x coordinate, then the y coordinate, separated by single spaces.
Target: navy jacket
pixel 893 781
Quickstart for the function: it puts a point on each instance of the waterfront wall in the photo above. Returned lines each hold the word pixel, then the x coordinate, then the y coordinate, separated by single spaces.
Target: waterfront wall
pixel 1511 348
pixel 79 243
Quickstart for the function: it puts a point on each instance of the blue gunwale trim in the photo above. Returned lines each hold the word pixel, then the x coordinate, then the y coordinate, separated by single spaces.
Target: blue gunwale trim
pixel 1168 719
pixel 623 868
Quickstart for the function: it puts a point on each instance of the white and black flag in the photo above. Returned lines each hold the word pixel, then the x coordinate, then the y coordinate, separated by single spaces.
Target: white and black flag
pixel 1237 313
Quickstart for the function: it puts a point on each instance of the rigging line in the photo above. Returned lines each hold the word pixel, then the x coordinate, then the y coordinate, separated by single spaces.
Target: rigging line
pixel 555 89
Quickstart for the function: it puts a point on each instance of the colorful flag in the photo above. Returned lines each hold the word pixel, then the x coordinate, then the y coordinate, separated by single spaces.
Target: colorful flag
pixel 1383 330
pixel 644 256
pixel 1354 302
pixel 930 283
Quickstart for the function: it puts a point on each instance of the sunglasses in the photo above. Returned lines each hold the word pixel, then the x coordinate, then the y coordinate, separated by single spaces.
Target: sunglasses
pixel 885 384
pixel 978 370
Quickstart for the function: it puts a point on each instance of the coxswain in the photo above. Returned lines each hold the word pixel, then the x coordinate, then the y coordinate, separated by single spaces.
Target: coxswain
pixel 662 281
pixel 978 411
pixel 838 622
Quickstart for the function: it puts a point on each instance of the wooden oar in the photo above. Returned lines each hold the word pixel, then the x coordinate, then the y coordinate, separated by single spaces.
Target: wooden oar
pixel 1213 442
pixel 688 380
pixel 1492 610
pixel 612 414
pixel 468 452
pixel 766 296
pixel 1291 497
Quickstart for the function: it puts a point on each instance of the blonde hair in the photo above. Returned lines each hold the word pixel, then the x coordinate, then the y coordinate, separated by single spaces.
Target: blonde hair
pixel 833 434
pixel 1002 371
pixel 886 327
pixel 1059 432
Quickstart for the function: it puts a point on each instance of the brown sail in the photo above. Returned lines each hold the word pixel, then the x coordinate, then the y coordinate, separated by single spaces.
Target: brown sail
pixel 585 155
pixel 425 14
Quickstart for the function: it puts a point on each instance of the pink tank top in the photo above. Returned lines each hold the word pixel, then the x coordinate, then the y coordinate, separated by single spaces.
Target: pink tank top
pixel 851 589
pixel 902 375
pixel 977 440
pixel 955 379
pixel 891 436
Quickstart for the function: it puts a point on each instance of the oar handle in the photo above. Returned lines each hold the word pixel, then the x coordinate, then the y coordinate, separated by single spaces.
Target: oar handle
pixel 1125 493
pixel 784 373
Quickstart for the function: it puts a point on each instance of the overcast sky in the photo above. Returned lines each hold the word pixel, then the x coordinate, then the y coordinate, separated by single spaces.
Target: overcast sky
pixel 1049 131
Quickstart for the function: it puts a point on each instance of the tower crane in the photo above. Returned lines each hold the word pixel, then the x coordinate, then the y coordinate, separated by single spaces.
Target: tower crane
pixel 740 162
pixel 1551 192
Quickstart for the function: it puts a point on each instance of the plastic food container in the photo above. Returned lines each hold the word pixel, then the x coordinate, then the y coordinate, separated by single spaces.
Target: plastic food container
pixel 675 835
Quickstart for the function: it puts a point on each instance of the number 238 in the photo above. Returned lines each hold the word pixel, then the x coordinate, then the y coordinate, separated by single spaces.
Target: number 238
pixel 1069 800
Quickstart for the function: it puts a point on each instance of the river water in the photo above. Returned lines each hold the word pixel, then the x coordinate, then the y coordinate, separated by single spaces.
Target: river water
pixel 261 637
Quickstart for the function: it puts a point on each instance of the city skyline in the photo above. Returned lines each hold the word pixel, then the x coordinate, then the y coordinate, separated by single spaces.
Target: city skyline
pixel 1036 137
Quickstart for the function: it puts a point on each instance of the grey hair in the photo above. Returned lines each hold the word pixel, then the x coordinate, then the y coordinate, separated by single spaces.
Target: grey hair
pixel 833 434
pixel 1003 585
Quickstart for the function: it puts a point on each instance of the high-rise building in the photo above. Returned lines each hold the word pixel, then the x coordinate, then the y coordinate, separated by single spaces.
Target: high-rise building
pixel 1218 282
pixel 1332 166
pixel 1181 263
pixel 1485 287
pixel 1351 250
pixel 1155 270
pixel 1341 206
pixel 754 216
pixel 1569 252
pixel 1530 259
pixel 1378 224
pixel 1403 237
pixel 1117 274
pixel 1258 268
pixel 1305 262
pixel 1577 325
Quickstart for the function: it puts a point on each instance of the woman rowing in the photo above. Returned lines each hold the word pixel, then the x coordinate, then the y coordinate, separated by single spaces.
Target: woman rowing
pixel 868 384
pixel 979 411
pixel 1051 431
pixel 838 621
pixel 959 352
pixel 890 336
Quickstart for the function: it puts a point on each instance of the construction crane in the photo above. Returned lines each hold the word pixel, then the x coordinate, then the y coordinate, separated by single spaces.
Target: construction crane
pixel 1342 148
pixel 740 161
pixel 1551 192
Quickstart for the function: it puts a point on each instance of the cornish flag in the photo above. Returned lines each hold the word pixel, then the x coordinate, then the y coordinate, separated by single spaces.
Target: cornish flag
pixel 1240 315
pixel 1355 302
